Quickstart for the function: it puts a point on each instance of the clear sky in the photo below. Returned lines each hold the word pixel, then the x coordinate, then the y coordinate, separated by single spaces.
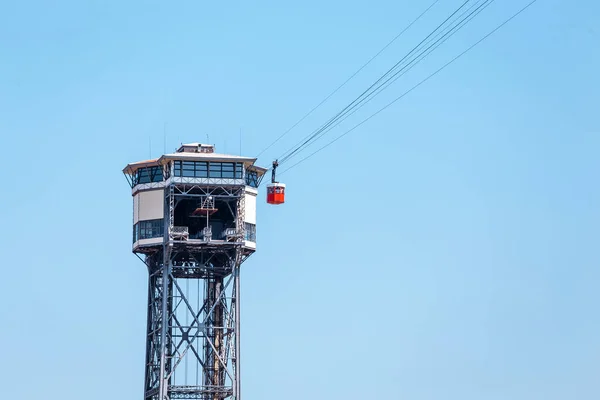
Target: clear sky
pixel 447 249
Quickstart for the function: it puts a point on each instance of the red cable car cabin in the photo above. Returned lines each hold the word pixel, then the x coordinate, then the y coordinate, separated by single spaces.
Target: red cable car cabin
pixel 276 193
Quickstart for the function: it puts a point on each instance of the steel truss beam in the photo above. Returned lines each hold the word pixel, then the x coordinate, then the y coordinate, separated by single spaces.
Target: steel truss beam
pixel 193 325
pixel 193 341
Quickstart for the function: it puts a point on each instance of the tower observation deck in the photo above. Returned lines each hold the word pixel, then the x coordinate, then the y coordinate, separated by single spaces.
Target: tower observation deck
pixel 194 224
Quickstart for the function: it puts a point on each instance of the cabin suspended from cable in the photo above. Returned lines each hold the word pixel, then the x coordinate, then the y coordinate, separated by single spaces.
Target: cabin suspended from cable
pixel 275 190
pixel 276 193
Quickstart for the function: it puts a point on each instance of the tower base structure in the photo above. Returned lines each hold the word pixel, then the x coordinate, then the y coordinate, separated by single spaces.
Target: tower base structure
pixel 193 323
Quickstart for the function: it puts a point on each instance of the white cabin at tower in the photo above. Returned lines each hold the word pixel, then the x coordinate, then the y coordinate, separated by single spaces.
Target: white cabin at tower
pixel 194 197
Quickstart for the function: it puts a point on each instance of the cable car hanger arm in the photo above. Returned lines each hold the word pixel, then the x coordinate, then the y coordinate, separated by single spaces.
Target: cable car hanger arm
pixel 273 171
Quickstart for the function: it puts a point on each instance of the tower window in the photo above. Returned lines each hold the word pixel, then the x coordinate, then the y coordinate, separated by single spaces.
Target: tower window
pixel 252 178
pixel 204 169
pixel 148 229
pixel 147 175
pixel 250 232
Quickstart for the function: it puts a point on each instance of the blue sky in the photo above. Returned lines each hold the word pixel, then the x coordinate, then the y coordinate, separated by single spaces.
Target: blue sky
pixel 447 249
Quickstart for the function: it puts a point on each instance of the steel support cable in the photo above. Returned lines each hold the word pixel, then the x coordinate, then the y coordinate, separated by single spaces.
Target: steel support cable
pixel 351 76
pixel 418 58
pixel 398 74
pixel 336 120
pixel 390 71
pixel 415 86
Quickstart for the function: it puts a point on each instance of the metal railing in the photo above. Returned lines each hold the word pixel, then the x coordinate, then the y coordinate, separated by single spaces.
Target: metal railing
pixel 180 232
pixel 207 234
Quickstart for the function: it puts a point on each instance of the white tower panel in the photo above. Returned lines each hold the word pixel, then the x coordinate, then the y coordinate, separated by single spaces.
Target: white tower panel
pixel 250 207
pixel 148 205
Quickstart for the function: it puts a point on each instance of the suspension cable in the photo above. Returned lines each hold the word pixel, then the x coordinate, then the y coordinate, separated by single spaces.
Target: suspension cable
pixel 351 76
pixel 437 41
pixel 415 86
pixel 307 139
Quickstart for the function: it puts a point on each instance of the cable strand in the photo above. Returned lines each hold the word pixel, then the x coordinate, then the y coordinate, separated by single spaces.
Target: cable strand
pixel 351 76
pixel 308 138
pixel 415 86
pixel 398 74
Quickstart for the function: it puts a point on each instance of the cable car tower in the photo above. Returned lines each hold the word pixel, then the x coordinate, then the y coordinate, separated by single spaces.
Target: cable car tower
pixel 194 224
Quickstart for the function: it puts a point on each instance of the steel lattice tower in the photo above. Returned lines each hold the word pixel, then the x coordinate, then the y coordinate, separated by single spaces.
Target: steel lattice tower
pixel 194 226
